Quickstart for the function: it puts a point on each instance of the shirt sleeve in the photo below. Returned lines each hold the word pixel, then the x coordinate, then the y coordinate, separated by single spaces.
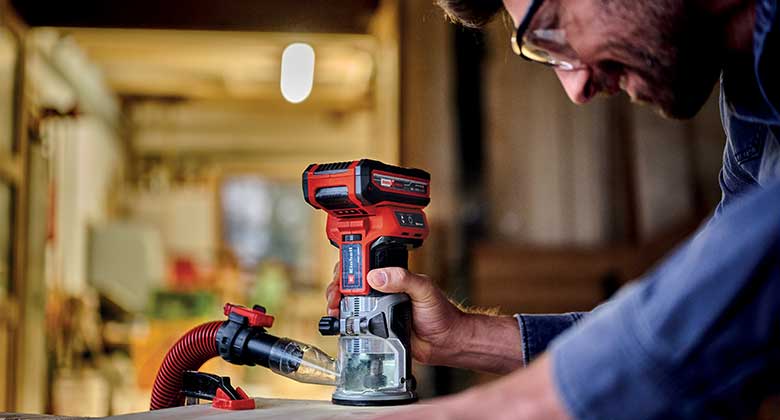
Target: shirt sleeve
pixel 699 337
pixel 537 331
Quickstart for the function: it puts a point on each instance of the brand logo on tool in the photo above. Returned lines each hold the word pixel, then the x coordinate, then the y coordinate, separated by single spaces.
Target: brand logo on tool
pixel 351 277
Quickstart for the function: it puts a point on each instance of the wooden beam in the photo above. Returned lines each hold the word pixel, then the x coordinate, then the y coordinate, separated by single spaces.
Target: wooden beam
pixel 19 284
pixel 10 169
pixel 322 16
pixel 230 66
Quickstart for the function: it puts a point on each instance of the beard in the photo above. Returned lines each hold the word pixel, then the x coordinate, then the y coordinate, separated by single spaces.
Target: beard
pixel 674 53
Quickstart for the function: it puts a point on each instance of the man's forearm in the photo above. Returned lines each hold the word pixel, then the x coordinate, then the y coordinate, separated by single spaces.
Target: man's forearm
pixel 528 394
pixel 486 343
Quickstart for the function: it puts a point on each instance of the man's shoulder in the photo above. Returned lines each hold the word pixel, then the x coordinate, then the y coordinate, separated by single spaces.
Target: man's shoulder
pixel 766 48
pixel 750 85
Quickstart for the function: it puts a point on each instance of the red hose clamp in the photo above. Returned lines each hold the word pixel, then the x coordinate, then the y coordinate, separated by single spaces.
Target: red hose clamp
pixel 256 316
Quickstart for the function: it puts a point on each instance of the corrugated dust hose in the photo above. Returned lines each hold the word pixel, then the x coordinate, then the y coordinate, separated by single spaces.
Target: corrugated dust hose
pixel 193 349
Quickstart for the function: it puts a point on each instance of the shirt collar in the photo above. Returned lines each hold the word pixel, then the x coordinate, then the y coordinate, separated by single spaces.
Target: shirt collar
pixel 753 92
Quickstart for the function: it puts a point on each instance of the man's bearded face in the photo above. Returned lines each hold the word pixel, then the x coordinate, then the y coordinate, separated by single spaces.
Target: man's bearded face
pixel 662 55
pixel 659 52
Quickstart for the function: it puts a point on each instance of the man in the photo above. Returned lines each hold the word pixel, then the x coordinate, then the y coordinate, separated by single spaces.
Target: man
pixel 698 337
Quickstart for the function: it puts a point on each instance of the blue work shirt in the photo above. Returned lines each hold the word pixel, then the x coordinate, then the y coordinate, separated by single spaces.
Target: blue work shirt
pixel 699 336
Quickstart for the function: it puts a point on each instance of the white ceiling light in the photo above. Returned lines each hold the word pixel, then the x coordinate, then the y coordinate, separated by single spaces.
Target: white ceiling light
pixel 297 72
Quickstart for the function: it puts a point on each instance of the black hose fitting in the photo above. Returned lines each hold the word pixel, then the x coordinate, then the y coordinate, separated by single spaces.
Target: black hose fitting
pixel 242 344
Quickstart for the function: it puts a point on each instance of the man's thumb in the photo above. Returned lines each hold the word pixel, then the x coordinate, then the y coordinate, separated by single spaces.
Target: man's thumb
pixel 377 279
pixel 398 280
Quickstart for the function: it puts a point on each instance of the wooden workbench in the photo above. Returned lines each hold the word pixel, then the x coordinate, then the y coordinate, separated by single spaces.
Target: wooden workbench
pixel 266 409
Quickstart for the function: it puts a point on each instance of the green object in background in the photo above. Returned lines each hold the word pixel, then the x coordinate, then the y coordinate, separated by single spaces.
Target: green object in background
pixel 271 285
pixel 182 305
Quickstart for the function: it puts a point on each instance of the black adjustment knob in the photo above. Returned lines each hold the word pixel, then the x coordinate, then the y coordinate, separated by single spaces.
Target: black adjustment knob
pixel 329 325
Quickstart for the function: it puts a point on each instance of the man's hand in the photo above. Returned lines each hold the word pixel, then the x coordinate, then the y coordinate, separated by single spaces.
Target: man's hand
pixel 527 394
pixel 435 317
pixel 442 333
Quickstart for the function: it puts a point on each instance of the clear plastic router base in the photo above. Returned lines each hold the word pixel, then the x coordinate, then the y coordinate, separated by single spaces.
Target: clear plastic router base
pixel 374 369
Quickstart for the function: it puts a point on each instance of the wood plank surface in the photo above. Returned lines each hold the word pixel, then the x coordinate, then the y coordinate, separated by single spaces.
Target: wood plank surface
pixel 267 409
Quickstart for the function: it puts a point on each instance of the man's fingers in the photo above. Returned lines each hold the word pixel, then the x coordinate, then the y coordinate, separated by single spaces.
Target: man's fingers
pixel 398 280
pixel 333 303
pixel 332 295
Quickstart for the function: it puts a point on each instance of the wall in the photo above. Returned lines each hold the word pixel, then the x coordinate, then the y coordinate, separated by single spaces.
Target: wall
pixel 547 171
pixel 427 106
pixel 677 167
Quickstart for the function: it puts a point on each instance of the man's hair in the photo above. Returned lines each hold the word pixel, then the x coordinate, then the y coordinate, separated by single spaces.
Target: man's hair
pixel 471 13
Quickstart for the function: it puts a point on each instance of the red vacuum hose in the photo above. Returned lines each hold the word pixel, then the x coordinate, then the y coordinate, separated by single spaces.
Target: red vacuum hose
pixel 192 350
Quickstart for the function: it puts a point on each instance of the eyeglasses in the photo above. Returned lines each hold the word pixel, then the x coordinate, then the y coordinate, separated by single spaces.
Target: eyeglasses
pixel 545 43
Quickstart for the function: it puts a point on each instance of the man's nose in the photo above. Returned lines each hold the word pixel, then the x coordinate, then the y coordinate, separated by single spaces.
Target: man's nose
pixel 577 84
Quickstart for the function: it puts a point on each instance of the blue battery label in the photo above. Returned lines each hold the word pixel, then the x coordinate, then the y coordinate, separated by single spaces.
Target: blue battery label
pixel 351 267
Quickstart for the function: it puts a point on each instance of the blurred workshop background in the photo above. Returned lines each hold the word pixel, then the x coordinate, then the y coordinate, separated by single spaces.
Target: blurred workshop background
pixel 150 162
